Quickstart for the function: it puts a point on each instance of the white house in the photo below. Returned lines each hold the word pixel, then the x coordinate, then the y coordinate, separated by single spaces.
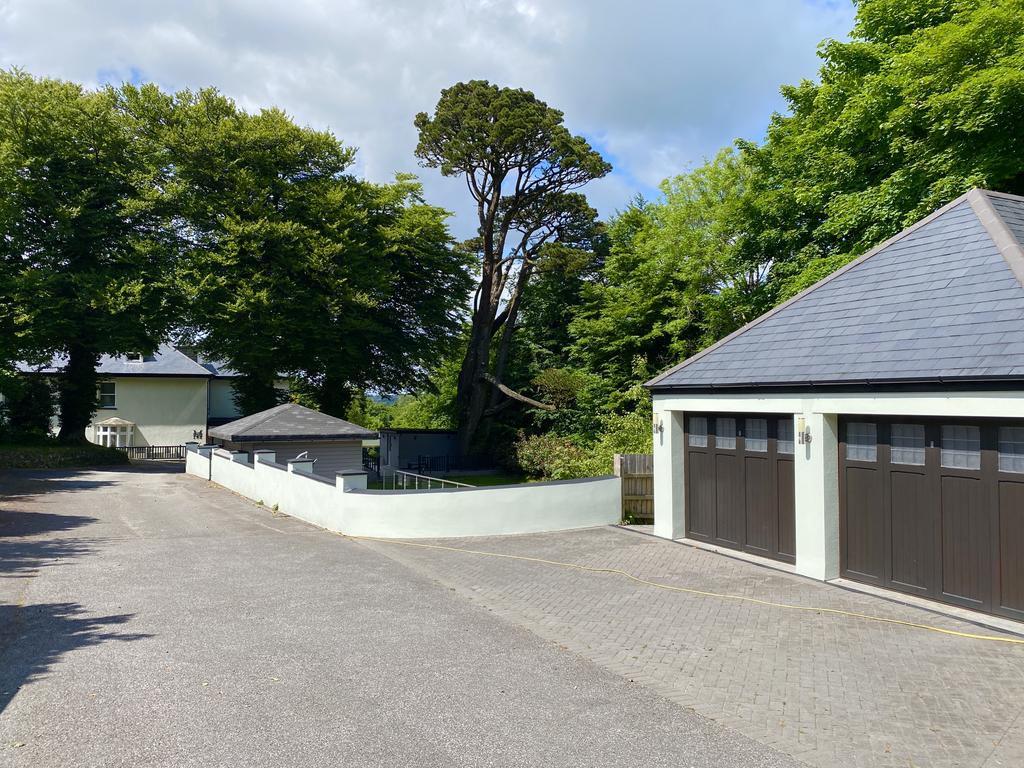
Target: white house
pixel 167 398
pixel 872 427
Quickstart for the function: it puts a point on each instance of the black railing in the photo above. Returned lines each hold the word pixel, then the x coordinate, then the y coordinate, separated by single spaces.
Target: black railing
pixel 155 451
pixel 426 465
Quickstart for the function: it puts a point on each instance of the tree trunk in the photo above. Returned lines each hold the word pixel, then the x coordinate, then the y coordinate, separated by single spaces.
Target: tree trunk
pixel 76 388
pixel 473 392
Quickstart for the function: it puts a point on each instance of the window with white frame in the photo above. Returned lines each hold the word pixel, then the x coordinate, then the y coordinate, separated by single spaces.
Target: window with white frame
pixel 114 436
pixel 108 395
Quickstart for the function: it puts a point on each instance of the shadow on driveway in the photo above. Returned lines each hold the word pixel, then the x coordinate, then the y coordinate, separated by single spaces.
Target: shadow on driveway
pixel 34 637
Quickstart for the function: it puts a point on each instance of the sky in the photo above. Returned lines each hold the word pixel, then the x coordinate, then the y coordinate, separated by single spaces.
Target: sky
pixel 657 86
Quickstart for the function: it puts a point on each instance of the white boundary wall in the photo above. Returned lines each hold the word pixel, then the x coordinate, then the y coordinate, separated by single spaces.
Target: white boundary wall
pixel 437 513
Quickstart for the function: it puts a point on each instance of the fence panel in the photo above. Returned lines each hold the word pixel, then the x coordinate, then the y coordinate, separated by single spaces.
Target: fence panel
pixel 637 473
pixel 155 452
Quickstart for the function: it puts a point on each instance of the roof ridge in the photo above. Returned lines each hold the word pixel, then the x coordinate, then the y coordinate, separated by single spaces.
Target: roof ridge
pixel 1005 241
pixel 267 414
pixel 827 279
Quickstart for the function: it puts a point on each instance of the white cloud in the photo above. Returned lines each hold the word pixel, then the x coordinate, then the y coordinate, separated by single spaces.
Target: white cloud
pixel 658 85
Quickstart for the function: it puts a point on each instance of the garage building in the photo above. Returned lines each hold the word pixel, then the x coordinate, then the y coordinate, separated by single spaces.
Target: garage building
pixel 292 430
pixel 872 427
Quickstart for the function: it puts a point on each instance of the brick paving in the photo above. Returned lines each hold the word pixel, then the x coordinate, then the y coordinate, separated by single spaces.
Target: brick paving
pixel 828 690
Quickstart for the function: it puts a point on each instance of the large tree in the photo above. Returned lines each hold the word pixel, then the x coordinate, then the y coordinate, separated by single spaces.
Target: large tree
pixel 85 250
pixel 520 165
pixel 923 102
pixel 296 267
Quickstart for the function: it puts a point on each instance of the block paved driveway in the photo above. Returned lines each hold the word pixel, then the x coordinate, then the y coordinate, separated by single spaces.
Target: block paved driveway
pixel 151 619
pixel 829 690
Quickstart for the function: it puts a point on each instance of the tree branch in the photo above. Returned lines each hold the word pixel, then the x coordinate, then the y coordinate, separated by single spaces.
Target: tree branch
pixel 509 392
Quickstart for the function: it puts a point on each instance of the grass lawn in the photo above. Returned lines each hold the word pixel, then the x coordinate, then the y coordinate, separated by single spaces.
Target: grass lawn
pixel 54 456
pixel 496 478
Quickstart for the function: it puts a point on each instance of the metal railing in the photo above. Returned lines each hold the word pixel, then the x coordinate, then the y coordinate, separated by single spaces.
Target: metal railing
pixel 154 451
pixel 445 463
pixel 398 480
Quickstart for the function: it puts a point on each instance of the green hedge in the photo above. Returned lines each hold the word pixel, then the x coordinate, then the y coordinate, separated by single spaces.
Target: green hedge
pixel 58 456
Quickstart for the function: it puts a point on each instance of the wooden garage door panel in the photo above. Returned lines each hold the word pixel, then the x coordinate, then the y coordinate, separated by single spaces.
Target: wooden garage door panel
pixel 759 502
pixel 1011 546
pixel 730 495
pixel 865 523
pixel 911 540
pixel 965 539
pixel 787 508
pixel 700 513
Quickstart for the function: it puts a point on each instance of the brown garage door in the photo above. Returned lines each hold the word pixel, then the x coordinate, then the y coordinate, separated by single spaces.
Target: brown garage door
pixel 935 508
pixel 739 481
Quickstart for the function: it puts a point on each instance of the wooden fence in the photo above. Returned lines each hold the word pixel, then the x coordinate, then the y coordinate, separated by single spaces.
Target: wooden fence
pixel 637 473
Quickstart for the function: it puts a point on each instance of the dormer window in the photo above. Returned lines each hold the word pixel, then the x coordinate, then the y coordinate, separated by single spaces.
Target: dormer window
pixel 135 357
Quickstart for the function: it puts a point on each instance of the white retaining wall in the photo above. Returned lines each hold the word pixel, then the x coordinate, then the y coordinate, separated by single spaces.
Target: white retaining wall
pixel 437 513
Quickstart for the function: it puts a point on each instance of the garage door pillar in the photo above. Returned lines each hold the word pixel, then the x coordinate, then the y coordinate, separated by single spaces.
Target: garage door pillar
pixel 669 496
pixel 817 496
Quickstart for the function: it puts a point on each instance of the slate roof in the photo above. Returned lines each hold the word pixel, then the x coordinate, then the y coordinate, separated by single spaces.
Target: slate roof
pixel 166 361
pixel 289 421
pixel 942 301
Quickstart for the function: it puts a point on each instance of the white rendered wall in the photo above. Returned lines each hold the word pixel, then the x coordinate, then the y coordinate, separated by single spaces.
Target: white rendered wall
pixel 816 465
pixel 669 483
pixel 438 513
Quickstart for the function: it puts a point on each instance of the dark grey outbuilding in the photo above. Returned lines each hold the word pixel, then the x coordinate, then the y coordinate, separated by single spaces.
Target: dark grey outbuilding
pixel 292 430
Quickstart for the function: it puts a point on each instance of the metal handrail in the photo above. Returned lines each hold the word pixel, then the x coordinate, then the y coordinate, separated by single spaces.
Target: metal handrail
pixel 441 482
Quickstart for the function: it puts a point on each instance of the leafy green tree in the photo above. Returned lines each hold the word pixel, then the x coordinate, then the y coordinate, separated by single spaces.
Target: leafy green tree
pixel 295 267
pixel 27 407
pixel 520 165
pixel 922 103
pixel 85 252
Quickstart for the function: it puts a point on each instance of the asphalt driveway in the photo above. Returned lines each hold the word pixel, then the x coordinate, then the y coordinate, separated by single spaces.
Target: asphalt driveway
pixel 148 618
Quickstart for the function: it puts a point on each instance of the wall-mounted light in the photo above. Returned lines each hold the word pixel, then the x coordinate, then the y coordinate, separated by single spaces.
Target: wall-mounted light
pixel 659 428
pixel 803 431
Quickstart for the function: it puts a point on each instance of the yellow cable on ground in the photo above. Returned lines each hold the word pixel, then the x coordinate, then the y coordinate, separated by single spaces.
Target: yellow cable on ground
pixel 701 592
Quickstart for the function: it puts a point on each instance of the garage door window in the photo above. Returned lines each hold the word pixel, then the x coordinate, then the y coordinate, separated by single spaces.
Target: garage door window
pixel 725 433
pixel 908 444
pixel 961 446
pixel 699 431
pixel 1011 449
pixel 861 441
pixel 785 441
pixel 757 435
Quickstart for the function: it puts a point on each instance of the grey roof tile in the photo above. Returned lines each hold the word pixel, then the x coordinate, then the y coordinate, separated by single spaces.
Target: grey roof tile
pixel 939 301
pixel 289 421
pixel 166 361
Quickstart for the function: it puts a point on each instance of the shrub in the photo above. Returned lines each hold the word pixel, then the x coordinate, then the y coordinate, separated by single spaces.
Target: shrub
pixel 27 409
pixel 52 455
pixel 553 457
